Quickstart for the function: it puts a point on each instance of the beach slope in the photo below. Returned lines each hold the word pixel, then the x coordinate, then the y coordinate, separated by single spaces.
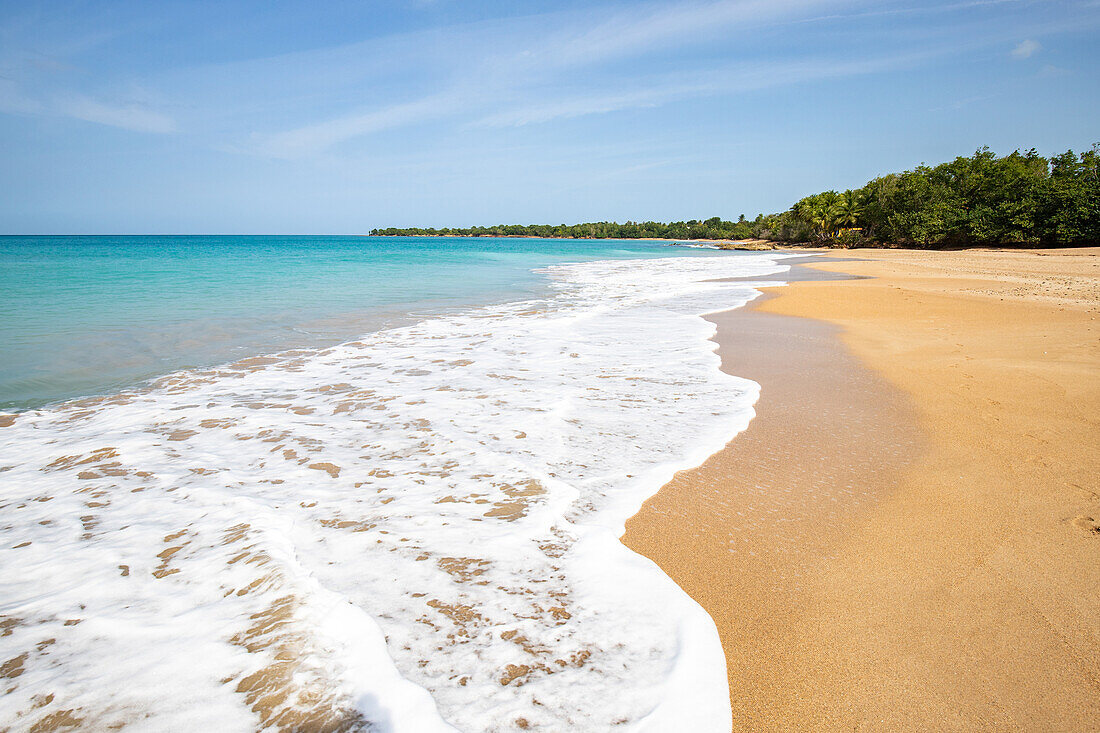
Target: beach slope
pixel 908 534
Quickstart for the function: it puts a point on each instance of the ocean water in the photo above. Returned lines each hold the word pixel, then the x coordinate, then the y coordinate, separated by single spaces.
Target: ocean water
pixel 409 527
pixel 91 315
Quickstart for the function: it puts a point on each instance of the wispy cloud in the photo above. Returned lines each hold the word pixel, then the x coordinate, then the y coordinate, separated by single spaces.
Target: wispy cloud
pixel 496 78
pixel 1050 71
pixel 745 77
pixel 1026 49
pixel 589 104
pixel 649 28
pixel 511 71
pixel 962 103
pixel 42 80
pixel 319 137
pixel 127 117
pixel 132 116
pixel 535 69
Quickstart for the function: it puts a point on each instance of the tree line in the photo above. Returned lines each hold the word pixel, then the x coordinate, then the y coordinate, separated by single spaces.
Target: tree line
pixel 713 228
pixel 1020 198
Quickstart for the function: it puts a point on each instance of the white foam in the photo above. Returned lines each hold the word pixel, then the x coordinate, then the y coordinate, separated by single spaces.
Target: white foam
pixel 416 530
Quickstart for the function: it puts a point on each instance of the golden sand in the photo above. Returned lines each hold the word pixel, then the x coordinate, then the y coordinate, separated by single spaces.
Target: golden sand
pixel 906 537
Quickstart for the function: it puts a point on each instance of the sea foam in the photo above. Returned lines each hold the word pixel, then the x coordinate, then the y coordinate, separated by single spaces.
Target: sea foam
pixel 414 531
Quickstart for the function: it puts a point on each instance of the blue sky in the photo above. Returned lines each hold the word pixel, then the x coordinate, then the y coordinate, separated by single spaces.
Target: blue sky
pixel 336 117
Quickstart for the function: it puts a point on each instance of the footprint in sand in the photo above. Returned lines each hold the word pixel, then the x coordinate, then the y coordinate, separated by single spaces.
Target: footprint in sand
pixel 1088 524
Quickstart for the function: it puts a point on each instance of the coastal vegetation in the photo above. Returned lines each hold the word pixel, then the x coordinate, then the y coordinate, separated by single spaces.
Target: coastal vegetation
pixel 983 199
pixel 713 228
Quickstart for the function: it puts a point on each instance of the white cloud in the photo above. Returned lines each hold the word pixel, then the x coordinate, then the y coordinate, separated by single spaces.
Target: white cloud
pixel 580 106
pixel 1026 49
pixel 741 78
pixel 500 72
pixel 132 116
pixel 494 79
pixel 316 138
pixel 129 117
pixel 513 112
pixel 651 27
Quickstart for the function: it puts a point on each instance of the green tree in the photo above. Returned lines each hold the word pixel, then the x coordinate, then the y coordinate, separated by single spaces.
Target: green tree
pixel 849 208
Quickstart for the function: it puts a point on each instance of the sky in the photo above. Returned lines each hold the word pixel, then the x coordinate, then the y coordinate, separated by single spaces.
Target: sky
pixel 279 117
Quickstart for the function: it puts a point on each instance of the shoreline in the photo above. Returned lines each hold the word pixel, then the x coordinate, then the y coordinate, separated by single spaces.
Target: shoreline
pixel 835 432
pixel 761 245
pixel 426 482
pixel 341 295
pixel 941 572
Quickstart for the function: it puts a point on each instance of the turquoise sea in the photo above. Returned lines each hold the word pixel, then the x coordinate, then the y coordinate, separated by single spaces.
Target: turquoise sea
pixel 405 517
pixel 87 315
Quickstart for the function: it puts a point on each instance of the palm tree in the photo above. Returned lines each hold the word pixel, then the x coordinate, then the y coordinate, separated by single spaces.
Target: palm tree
pixel 849 208
pixel 823 216
pixel 803 210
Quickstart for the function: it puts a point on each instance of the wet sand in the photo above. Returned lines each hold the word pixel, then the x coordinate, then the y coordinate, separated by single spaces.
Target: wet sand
pixel 906 535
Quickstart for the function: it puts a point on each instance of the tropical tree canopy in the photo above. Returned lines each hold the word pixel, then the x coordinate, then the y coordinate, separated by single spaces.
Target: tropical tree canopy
pixel 1020 198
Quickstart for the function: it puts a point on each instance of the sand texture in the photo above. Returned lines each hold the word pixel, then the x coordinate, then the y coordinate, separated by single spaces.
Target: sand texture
pixel 908 535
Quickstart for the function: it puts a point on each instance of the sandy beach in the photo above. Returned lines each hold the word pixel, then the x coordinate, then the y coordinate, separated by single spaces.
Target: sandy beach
pixel 908 534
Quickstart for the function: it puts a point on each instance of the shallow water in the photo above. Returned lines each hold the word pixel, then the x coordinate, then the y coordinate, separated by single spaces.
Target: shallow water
pixel 412 530
pixel 91 315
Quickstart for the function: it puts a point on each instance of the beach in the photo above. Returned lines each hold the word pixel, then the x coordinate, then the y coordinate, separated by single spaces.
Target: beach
pixel 413 530
pixel 906 536
pixel 879 516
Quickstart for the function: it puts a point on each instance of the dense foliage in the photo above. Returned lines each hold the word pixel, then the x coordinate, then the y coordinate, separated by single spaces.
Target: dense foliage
pixel 1022 198
pixel 714 228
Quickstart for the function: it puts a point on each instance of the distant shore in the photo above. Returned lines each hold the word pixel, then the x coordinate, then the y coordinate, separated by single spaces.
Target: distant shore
pixel 740 244
pixel 907 536
pixel 752 245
